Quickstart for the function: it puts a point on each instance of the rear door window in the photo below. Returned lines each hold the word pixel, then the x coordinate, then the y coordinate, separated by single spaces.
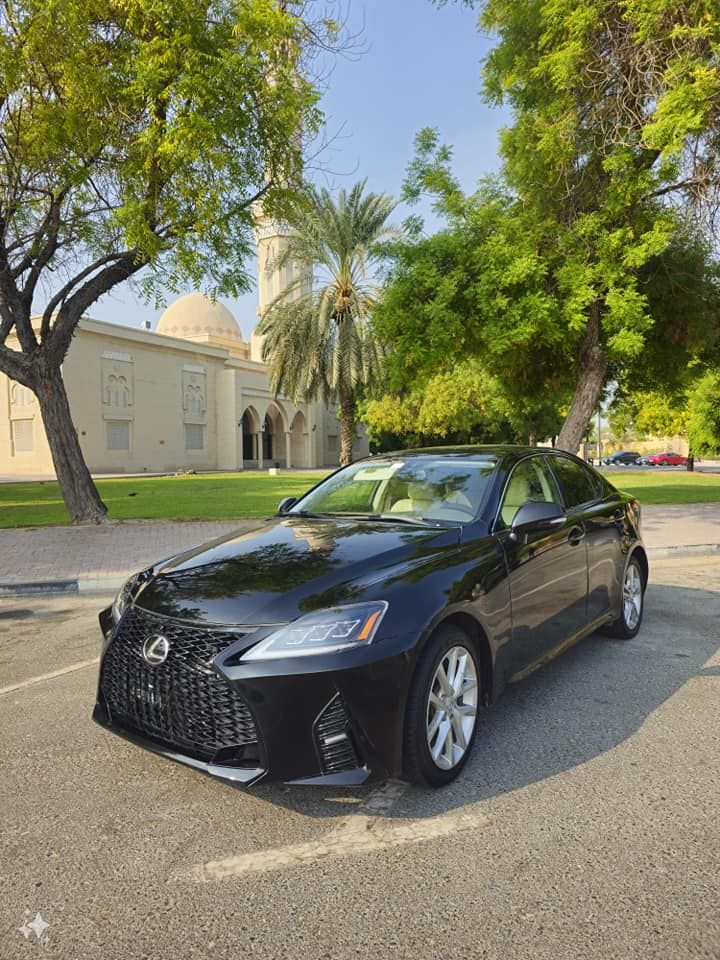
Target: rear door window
pixel 578 484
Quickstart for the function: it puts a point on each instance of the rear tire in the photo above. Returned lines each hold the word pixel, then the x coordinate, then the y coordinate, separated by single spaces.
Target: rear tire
pixel 633 604
pixel 442 709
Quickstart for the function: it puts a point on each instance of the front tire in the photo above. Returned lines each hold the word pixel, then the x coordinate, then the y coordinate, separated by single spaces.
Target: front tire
pixel 442 709
pixel 633 604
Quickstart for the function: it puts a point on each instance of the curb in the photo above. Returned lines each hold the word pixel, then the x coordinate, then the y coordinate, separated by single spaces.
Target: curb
pixel 691 550
pixel 109 584
pixel 80 585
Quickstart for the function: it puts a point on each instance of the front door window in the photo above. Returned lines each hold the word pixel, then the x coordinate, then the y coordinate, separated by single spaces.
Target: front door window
pixel 530 481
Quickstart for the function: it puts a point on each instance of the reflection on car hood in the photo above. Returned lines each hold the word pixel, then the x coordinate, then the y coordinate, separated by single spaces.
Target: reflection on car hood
pixel 286 567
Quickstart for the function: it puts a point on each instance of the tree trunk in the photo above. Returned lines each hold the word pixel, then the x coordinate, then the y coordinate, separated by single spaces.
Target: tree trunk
pixel 79 492
pixel 690 462
pixel 347 428
pixel 593 366
pixel 532 439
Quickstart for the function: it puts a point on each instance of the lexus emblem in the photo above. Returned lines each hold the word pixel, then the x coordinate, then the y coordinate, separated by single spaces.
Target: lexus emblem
pixel 155 649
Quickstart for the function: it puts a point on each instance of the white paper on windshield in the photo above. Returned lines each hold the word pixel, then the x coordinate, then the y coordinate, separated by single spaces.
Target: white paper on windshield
pixel 380 471
pixel 461 466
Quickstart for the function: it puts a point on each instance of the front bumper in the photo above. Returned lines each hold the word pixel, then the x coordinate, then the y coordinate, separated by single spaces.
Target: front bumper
pixel 335 719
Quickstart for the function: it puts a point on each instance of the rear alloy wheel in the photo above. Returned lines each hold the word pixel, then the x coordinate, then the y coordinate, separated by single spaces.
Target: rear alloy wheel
pixel 628 623
pixel 442 709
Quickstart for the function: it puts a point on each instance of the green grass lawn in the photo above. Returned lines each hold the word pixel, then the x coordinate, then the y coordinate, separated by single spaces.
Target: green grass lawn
pixel 650 486
pixel 234 495
pixel 201 497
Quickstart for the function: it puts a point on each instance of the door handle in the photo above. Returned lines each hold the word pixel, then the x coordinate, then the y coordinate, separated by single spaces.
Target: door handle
pixel 576 535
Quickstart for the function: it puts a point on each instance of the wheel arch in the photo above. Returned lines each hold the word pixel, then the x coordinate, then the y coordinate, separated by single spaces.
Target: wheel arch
pixel 638 552
pixel 474 631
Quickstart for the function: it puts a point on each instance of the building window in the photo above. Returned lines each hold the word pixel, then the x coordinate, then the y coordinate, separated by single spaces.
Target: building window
pixel 194 400
pixel 117 392
pixel 23 438
pixel 21 396
pixel 118 434
pixel 194 436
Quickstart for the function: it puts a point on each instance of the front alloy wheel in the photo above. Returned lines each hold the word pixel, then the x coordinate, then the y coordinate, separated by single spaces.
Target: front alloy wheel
pixel 452 707
pixel 442 709
pixel 632 596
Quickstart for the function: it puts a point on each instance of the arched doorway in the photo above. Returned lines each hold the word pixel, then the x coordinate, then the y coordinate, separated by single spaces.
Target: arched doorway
pixel 268 437
pixel 273 437
pixel 299 441
pixel 250 430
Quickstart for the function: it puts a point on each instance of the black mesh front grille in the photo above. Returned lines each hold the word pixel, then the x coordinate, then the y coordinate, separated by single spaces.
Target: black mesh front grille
pixel 334 740
pixel 180 703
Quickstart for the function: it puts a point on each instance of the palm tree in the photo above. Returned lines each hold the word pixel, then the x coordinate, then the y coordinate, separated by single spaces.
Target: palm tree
pixel 319 339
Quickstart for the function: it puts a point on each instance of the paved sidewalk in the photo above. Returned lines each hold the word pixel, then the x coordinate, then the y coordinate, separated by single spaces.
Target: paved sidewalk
pixel 671 526
pixel 100 555
pixel 95 558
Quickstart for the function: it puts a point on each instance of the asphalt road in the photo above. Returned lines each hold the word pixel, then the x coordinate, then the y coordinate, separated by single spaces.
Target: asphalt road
pixel 585 826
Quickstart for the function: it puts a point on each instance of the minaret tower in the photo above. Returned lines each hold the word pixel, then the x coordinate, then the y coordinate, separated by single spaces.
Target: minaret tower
pixel 272 238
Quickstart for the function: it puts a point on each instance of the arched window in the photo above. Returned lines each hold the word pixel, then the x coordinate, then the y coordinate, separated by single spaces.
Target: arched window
pixel 194 399
pixel 117 392
pixel 21 396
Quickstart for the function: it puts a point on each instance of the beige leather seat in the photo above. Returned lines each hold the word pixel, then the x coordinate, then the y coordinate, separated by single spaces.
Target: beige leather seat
pixel 518 493
pixel 418 500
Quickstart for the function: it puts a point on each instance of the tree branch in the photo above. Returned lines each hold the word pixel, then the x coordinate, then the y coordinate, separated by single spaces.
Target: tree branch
pixel 61 295
pixel 51 225
pixel 59 337
pixel 671 188
pixel 16 366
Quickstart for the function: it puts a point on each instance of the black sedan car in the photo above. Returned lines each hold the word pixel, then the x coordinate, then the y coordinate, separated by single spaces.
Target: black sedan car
pixel 358 633
pixel 622 458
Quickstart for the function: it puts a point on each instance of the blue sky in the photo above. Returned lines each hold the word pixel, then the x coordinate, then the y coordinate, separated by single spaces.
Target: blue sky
pixel 419 67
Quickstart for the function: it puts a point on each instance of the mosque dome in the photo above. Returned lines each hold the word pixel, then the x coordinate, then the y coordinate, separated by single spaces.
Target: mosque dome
pixel 195 317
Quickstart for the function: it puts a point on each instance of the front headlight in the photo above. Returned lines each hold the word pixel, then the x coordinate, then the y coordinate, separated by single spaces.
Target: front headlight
pixel 124 596
pixel 326 631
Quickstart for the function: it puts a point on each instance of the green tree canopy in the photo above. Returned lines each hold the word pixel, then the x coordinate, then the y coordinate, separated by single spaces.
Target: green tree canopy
pixel 615 116
pixel 134 135
pixel 471 303
pixel 463 403
pixel 703 415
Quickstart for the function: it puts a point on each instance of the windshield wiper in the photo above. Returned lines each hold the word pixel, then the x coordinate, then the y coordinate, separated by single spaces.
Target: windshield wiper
pixel 391 518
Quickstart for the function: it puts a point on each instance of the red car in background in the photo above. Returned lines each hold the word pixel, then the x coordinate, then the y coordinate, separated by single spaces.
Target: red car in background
pixel 667 460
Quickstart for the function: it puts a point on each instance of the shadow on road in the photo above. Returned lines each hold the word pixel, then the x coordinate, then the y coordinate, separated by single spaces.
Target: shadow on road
pixel 583 704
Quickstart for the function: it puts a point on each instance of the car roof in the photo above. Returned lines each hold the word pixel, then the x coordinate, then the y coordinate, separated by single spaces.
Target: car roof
pixel 500 451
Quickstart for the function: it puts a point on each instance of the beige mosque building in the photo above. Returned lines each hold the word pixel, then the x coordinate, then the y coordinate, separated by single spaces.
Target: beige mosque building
pixel 192 394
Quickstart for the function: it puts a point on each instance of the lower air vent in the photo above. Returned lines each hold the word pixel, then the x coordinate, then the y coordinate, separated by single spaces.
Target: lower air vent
pixel 334 740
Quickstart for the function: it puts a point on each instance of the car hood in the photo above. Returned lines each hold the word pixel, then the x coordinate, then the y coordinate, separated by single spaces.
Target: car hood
pixel 285 568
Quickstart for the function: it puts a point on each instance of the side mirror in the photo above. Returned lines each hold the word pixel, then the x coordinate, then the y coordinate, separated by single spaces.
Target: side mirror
pixel 285 504
pixel 536 516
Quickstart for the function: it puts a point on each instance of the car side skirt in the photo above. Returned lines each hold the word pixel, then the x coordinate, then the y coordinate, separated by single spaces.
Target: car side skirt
pixel 560 648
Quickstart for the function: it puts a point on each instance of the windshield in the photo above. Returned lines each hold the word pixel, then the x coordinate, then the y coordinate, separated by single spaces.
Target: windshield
pixel 420 488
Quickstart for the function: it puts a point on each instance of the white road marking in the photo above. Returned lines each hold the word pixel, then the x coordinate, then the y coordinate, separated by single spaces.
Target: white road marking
pixel 49 676
pixel 359 833
pixel 340 845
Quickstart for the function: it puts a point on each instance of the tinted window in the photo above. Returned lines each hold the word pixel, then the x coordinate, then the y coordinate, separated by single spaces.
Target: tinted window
pixel 530 481
pixel 577 483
